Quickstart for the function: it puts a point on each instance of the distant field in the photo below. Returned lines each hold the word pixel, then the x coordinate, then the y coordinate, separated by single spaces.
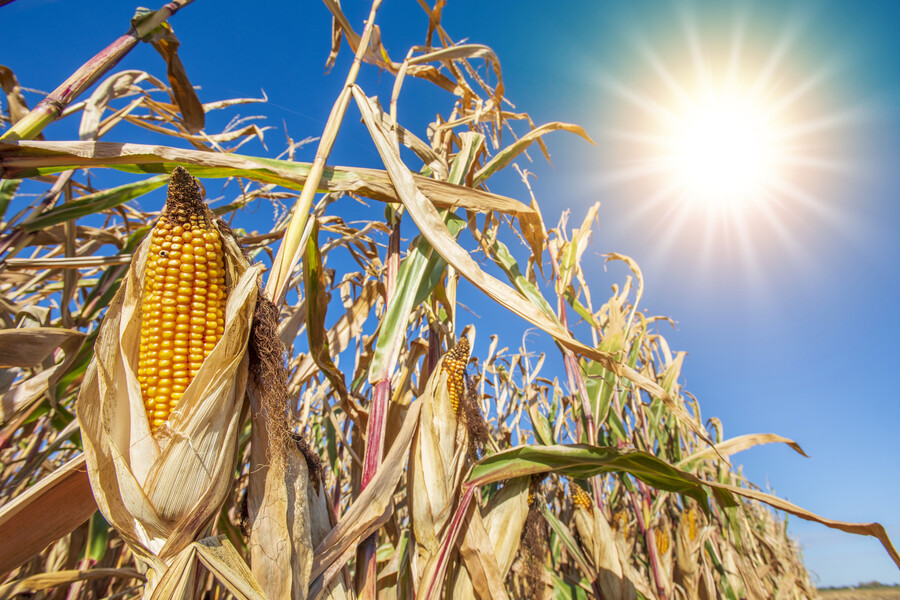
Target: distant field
pixel 892 593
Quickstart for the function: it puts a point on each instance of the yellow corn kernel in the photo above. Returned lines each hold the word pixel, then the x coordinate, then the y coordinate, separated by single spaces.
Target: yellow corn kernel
pixel 181 321
pixel 620 521
pixel 580 498
pixel 455 362
pixel 662 539
pixel 691 515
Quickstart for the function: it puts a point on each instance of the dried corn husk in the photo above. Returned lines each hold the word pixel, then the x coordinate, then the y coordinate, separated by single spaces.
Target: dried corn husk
pixel 689 538
pixel 162 491
pixel 503 519
pixel 281 552
pixel 600 542
pixel 665 555
pixel 437 466
pixel 321 523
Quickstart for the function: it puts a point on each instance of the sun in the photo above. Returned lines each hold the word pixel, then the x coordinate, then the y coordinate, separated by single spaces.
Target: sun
pixel 722 152
pixel 723 143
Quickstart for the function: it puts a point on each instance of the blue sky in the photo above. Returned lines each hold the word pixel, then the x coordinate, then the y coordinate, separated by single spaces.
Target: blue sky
pixel 787 312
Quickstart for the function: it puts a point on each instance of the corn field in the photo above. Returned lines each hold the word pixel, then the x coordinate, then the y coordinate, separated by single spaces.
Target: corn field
pixel 194 409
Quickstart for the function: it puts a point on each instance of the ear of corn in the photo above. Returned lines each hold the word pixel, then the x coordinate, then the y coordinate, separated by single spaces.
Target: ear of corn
pixel 615 576
pixel 162 491
pixel 183 301
pixel 438 459
pixel 454 366
pixel 580 497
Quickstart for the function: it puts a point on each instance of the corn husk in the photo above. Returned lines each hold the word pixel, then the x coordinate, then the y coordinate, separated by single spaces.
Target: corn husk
pixel 689 538
pixel 665 556
pixel 503 519
pixel 438 463
pixel 321 522
pixel 162 491
pixel 599 540
pixel 281 551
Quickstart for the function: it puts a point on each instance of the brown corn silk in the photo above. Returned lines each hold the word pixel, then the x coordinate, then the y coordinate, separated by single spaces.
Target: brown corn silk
pixel 161 490
pixel 183 301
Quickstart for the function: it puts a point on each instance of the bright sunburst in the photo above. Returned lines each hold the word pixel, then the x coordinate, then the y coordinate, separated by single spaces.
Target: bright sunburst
pixel 723 151
pixel 722 139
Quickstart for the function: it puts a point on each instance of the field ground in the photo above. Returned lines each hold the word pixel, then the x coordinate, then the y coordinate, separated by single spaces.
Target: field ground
pixel 891 593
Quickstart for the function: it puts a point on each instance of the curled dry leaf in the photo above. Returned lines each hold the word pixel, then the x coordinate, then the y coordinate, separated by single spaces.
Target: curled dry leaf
pixel 161 491
pixel 28 346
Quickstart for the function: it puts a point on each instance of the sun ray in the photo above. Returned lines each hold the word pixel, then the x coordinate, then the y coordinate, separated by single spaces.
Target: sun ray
pixel 727 138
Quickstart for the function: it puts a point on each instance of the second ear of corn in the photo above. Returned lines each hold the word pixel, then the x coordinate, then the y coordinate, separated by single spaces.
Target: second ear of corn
pixel 580 498
pixel 454 365
pixel 183 301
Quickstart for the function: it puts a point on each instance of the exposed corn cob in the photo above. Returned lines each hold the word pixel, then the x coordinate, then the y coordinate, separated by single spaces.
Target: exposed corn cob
pixel 454 365
pixel 580 497
pixel 183 301
pixel 662 540
pixel 690 515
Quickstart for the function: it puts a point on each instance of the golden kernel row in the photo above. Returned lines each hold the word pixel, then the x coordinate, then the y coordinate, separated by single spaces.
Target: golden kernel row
pixel 454 365
pixel 183 310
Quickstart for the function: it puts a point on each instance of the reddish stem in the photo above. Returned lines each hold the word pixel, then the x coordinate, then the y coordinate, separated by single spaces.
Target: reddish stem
pixel 49 109
pixel 649 536
pixel 381 396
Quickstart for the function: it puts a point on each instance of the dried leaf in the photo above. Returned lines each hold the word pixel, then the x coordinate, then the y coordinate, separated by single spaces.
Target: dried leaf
pixel 27 347
pixel 47 511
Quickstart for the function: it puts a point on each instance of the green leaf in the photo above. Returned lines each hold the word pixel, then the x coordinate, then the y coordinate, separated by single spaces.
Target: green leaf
pixel 500 254
pixel 8 189
pixel 94 203
pixel 541 426
pixel 584 461
pixel 568 540
pixel 316 307
pixel 98 536
pixel 419 274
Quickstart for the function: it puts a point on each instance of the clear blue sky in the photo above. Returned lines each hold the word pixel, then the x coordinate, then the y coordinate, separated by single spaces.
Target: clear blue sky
pixel 789 317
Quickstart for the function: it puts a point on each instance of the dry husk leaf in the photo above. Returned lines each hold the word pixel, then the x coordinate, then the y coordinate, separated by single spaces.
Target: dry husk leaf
pixel 436 470
pixel 599 540
pixel 689 537
pixel 503 520
pixel 162 491
pixel 281 551
pixel 321 522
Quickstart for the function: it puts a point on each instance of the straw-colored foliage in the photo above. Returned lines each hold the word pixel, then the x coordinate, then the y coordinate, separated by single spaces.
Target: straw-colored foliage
pixel 329 446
